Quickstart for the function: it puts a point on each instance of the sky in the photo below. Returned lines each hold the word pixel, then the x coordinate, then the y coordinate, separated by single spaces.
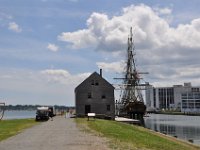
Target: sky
pixel 48 47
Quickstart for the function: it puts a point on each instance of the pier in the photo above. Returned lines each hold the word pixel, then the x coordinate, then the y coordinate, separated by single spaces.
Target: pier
pixel 127 120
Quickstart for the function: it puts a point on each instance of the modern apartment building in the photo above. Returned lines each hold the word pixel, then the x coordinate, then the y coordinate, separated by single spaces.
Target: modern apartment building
pixel 191 102
pixel 182 97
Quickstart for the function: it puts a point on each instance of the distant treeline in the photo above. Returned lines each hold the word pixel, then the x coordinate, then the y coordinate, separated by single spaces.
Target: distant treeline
pixel 34 107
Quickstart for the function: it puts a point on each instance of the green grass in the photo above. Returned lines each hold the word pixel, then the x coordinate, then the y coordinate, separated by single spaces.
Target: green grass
pixel 9 128
pixel 125 136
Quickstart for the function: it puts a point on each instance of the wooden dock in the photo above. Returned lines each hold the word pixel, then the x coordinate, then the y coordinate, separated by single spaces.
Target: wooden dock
pixel 127 120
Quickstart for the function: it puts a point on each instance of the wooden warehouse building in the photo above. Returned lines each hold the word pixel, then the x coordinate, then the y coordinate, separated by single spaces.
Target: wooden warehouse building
pixel 95 95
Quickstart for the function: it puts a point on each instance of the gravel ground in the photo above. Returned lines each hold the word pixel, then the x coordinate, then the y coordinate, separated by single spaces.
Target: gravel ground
pixel 59 134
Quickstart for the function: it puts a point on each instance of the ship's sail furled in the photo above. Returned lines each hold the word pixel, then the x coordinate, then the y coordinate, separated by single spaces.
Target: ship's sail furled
pixel 131 96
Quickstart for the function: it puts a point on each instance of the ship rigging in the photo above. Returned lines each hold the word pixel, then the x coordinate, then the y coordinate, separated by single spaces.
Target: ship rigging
pixel 131 98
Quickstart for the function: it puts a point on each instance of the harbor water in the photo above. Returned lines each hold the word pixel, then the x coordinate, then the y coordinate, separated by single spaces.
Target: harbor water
pixel 180 126
pixel 19 114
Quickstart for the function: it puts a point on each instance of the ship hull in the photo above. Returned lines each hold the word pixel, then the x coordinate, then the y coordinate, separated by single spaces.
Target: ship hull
pixel 135 110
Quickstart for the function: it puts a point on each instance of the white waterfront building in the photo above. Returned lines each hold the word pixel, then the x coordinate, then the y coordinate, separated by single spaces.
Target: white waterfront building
pixel 185 98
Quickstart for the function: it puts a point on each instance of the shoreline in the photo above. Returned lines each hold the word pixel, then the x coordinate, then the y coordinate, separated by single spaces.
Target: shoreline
pixel 173 137
pixel 176 113
pixel 123 136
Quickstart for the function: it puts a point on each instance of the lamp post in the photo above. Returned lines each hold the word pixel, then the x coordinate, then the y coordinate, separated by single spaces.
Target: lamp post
pixel 2 109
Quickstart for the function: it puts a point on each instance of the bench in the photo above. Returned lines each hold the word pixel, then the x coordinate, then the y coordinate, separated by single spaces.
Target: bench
pixel 91 115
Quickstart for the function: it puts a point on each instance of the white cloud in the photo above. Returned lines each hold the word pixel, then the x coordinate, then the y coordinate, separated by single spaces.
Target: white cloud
pixel 45 87
pixel 58 72
pixel 161 49
pixel 163 11
pixel 63 76
pixel 80 39
pixel 73 0
pixel 150 31
pixel 5 16
pixel 14 27
pixel 110 67
pixel 111 34
pixel 52 47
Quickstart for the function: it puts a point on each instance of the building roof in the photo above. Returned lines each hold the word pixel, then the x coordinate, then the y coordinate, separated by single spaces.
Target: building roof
pixel 94 74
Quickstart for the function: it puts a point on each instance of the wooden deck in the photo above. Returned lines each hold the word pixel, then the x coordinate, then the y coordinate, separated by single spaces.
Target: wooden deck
pixel 127 120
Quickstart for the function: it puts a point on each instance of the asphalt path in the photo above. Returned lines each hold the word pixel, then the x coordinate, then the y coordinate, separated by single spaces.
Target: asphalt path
pixel 59 134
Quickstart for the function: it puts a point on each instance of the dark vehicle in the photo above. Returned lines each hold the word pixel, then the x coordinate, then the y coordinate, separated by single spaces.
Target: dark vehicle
pixel 42 114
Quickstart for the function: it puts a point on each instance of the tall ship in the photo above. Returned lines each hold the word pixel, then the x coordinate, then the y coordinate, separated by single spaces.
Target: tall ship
pixel 131 103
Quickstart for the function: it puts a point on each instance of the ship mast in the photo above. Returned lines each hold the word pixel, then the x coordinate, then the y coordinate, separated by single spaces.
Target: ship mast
pixel 131 91
pixel 131 96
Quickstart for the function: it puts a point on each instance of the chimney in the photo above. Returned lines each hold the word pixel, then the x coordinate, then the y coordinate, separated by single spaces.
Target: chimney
pixel 101 72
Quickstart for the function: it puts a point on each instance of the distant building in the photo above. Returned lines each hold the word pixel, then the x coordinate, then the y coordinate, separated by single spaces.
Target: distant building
pixel 182 97
pixel 191 101
pixel 95 95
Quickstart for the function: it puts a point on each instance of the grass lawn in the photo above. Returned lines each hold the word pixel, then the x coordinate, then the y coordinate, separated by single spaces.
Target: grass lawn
pixel 131 137
pixel 9 128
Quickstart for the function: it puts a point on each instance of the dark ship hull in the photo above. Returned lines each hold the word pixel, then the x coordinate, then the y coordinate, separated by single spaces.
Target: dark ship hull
pixel 135 110
pixel 131 96
pixel 136 107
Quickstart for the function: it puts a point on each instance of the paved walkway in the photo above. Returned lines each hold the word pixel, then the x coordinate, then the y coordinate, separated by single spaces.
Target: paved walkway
pixel 59 134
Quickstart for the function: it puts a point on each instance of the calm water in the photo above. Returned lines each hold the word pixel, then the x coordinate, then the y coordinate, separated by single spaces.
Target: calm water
pixel 19 114
pixel 184 127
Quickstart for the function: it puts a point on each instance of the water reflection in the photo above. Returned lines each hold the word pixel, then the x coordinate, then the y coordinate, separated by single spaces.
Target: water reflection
pixel 183 127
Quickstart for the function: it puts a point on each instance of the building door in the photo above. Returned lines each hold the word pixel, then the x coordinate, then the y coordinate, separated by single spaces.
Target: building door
pixel 87 109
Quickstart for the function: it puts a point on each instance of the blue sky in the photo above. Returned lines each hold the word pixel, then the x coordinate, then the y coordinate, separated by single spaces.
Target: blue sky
pixel 48 47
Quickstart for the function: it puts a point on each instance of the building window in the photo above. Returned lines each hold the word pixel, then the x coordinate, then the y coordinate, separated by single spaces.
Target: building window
pixel 103 96
pixel 108 107
pixel 92 82
pixel 89 95
pixel 197 105
pixel 195 89
pixel 166 97
pixel 96 83
pixel 154 98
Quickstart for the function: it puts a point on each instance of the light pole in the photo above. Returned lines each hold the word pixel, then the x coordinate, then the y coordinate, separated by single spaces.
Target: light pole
pixel 2 109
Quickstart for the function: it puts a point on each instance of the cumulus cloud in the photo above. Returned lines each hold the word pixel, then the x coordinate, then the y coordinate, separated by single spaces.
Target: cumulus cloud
pixel 110 34
pixel 45 87
pixel 63 76
pixel 150 31
pixel 5 16
pixel 80 39
pixel 52 47
pixel 114 66
pixel 73 0
pixel 14 27
pixel 161 49
pixel 163 11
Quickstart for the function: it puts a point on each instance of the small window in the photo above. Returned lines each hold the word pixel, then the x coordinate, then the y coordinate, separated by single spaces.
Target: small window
pixel 89 95
pixel 108 107
pixel 92 82
pixel 103 96
pixel 96 83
